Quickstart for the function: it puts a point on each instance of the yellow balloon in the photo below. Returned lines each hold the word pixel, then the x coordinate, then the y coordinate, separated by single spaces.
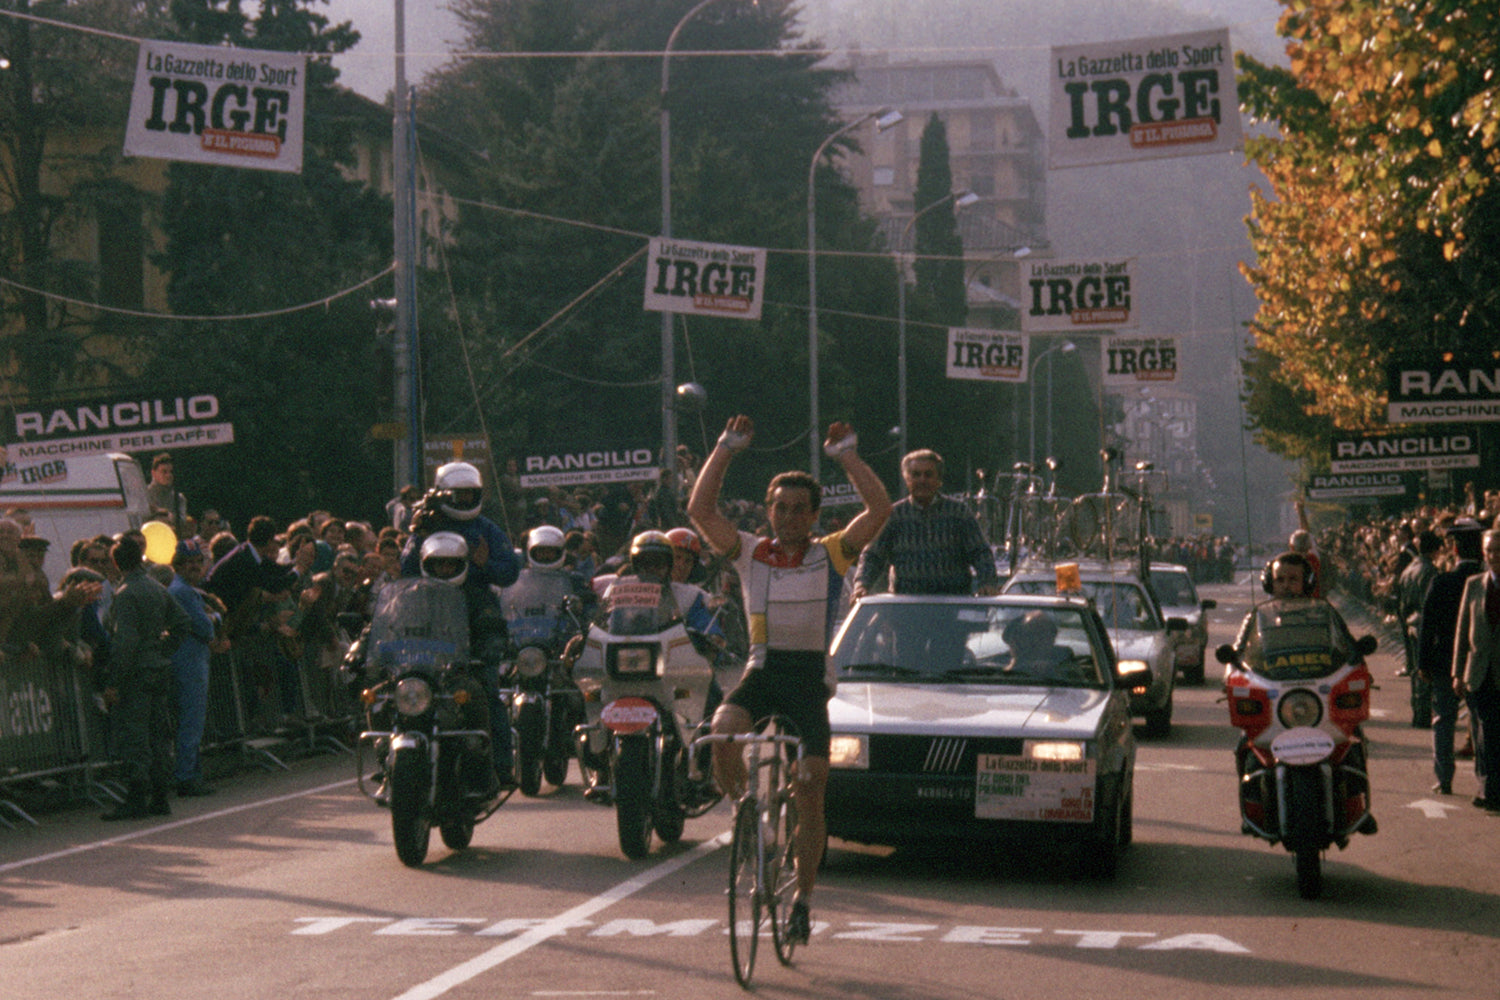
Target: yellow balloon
pixel 161 541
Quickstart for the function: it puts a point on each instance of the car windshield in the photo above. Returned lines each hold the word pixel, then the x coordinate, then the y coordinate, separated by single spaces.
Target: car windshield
pixel 1175 589
pixel 954 642
pixel 1122 604
pixel 1297 638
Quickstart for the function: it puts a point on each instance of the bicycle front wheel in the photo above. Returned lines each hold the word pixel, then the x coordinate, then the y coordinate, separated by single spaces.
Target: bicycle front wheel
pixel 781 873
pixel 745 912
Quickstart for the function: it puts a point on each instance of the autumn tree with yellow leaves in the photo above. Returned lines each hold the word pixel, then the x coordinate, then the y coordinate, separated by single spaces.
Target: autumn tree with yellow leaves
pixel 1378 230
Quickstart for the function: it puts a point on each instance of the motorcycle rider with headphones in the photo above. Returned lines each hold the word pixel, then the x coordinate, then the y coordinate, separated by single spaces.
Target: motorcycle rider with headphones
pixel 452 506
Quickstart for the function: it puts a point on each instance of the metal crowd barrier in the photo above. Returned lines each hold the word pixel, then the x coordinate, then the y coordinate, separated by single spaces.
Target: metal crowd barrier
pixel 54 732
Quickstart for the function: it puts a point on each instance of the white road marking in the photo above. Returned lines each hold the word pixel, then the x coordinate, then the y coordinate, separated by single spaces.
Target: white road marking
pixel 1431 809
pixel 559 924
pixel 156 828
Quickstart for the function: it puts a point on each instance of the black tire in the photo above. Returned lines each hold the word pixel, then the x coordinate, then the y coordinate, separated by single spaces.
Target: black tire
pixel 668 814
pixel 1099 854
pixel 745 913
pixel 531 732
pixel 781 875
pixel 411 826
pixel 1305 835
pixel 559 748
pixel 633 796
pixel 1159 721
pixel 457 836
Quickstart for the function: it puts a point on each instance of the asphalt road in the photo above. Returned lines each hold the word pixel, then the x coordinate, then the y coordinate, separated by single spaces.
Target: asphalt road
pixel 285 885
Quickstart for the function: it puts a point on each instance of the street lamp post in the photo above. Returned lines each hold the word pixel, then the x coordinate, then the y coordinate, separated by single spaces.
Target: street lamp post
pixel 1067 347
pixel 668 349
pixel 884 118
pixel 961 199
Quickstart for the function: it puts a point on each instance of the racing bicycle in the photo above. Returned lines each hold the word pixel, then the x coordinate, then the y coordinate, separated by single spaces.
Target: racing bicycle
pixel 763 846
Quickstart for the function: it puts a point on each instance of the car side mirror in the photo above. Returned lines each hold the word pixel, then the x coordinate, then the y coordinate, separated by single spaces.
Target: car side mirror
pixel 1365 645
pixel 1226 655
pixel 1177 625
pixel 1209 604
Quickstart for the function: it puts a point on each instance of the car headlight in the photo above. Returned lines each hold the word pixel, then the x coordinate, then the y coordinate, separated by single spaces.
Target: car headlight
pixel 530 662
pixel 413 696
pixel 1128 667
pixel 1300 708
pixel 1054 749
pixel 849 752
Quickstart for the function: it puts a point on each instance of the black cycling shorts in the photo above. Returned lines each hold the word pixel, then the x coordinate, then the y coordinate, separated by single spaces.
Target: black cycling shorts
pixel 794 691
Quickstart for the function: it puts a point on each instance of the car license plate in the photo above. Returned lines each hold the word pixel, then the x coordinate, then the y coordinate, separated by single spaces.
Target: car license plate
pixel 1046 791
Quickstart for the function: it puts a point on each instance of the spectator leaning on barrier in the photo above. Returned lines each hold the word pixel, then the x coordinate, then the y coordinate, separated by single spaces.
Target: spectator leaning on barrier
pixel 190 664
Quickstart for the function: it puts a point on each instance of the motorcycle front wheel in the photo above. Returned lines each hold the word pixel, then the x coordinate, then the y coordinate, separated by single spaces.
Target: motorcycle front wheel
pixel 410 825
pixel 559 745
pixel 531 728
pixel 633 797
pixel 1305 833
pixel 669 815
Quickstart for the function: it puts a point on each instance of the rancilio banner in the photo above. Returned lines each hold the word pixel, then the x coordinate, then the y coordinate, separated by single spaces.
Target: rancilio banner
pixel 214 104
pixel 1142 99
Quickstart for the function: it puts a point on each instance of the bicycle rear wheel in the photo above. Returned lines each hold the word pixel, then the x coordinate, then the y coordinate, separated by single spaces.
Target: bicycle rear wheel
pixel 781 872
pixel 745 912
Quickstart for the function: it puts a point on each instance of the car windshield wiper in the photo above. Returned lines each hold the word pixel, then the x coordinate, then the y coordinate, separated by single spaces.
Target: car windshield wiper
pixel 883 669
pixel 980 670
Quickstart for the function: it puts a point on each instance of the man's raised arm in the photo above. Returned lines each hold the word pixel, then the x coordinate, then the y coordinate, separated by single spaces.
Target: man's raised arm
pixel 703 505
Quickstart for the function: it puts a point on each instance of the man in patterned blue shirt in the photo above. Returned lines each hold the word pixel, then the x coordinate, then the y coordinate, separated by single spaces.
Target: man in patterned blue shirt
pixel 932 544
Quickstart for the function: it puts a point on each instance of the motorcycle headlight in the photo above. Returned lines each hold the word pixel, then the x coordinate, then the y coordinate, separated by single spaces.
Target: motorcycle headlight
pixel 530 662
pixel 1300 708
pixel 413 696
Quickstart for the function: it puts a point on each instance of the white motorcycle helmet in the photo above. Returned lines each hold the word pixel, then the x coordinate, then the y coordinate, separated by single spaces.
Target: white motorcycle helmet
pixel 465 489
pixel 445 557
pixel 544 547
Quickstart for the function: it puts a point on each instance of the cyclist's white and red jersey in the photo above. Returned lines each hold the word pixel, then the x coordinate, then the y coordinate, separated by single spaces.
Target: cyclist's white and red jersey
pixel 791 596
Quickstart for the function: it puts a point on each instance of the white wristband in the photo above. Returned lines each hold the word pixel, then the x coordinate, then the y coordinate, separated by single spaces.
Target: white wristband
pixel 846 443
pixel 734 441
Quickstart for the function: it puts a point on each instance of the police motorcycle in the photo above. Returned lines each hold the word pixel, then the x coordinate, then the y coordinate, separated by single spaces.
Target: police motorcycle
pixel 427 723
pixel 645 680
pixel 1298 688
pixel 542 612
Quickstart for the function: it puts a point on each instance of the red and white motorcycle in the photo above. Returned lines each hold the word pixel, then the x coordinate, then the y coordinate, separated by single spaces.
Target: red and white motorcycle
pixel 1298 687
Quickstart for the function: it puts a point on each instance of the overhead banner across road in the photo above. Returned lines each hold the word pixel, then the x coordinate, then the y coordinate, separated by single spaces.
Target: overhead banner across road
pixel 706 279
pixel 1142 99
pixel 1132 361
pixel 1079 296
pixel 987 355
pixel 1416 451
pixel 1446 387
pixel 214 104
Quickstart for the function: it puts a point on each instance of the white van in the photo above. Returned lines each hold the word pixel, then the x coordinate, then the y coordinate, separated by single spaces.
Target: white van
pixel 75 497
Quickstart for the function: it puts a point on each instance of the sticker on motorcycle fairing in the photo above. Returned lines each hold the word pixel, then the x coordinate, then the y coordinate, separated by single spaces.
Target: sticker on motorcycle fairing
pixel 1048 791
pixel 634 595
pixel 1314 663
pixel 624 716
pixel 1303 745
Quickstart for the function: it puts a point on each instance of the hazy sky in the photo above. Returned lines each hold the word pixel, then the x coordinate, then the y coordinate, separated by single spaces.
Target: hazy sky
pixel 431 32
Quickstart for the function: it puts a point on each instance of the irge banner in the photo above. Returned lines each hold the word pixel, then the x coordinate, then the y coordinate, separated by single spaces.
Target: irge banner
pixel 986 355
pixel 1142 99
pixel 707 279
pixel 1132 360
pixel 1068 296
pixel 212 104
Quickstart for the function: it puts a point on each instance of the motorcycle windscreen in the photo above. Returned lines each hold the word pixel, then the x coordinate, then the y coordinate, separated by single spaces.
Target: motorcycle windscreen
pixel 1297 639
pixel 419 622
pixel 533 605
pixel 637 607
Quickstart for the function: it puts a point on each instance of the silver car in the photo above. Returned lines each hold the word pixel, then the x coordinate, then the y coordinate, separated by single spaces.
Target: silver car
pixel 1173 585
pixel 980 718
pixel 1144 640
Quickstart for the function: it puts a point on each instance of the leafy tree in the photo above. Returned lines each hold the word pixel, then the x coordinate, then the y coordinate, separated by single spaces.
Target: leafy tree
pixel 58 171
pixel 1380 231
pixel 577 139
pixel 303 388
